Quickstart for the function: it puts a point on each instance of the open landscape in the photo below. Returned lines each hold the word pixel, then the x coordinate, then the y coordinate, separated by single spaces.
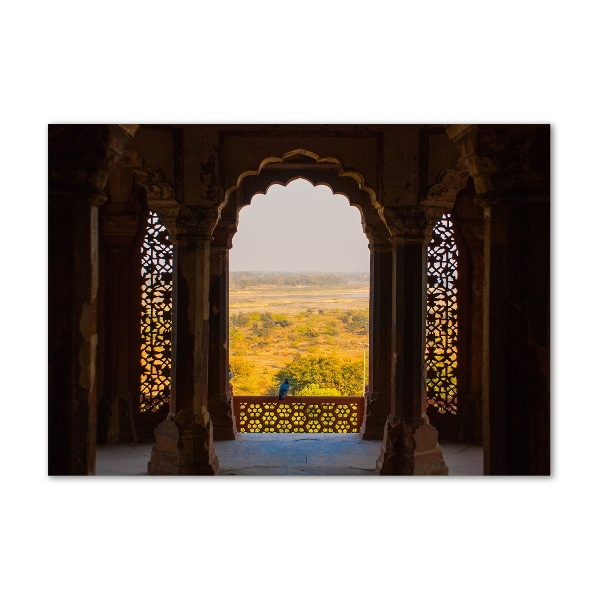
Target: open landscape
pixel 305 326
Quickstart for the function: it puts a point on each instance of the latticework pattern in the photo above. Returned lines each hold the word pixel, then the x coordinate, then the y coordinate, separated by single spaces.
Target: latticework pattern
pixel 441 333
pixel 157 287
pixel 257 414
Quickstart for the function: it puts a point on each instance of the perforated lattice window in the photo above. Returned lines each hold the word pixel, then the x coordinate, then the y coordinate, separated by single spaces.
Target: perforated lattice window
pixel 156 322
pixel 441 339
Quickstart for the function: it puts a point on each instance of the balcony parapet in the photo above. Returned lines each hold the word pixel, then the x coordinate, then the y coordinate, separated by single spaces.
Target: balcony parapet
pixel 299 414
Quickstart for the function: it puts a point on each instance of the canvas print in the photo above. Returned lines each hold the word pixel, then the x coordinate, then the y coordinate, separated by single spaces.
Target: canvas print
pixel 299 300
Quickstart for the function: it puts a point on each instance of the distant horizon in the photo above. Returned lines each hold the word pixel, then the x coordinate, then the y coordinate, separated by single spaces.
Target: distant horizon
pixel 296 272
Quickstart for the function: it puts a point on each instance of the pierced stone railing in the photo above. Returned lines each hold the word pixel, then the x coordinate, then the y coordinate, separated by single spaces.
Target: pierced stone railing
pixel 299 414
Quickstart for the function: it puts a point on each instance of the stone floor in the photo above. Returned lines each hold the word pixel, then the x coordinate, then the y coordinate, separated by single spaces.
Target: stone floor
pixel 287 454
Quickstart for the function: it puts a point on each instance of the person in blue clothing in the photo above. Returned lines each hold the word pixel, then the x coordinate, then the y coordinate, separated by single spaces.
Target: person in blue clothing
pixel 284 388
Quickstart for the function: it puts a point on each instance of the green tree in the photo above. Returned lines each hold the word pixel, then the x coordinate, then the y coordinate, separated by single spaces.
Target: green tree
pixel 324 372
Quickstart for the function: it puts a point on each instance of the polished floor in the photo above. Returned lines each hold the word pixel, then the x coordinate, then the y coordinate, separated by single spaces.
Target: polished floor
pixel 288 454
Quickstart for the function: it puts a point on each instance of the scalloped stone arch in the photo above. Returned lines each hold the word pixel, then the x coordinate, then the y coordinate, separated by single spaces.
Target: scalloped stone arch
pixel 307 165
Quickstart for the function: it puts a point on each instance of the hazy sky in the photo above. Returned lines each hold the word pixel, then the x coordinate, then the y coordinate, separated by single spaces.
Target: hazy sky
pixel 299 228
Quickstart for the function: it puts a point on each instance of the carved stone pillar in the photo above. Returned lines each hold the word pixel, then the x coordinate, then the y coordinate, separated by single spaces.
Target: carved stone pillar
pixel 122 285
pixel 79 162
pixel 510 165
pixel 220 398
pixel 72 334
pixel 410 445
pixel 516 339
pixel 184 441
pixel 380 308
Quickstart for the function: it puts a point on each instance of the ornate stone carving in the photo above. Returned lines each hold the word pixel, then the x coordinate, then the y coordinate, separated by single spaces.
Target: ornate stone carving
pixel 157 191
pixel 346 182
pixel 508 163
pixel 441 345
pixel 410 224
pixel 189 222
pixel 450 181
pixel 379 238
pixel 183 222
pixel 156 316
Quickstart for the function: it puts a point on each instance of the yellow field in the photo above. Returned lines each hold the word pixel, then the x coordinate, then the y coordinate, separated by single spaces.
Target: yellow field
pixel 298 298
pixel 314 320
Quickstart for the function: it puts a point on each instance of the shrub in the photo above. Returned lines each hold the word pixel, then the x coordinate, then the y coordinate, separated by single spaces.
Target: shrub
pixel 359 324
pixel 240 320
pixel 306 331
pixel 323 372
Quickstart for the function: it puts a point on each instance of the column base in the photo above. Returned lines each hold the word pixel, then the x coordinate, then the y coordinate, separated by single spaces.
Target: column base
pixel 410 448
pixel 184 446
pixel 221 415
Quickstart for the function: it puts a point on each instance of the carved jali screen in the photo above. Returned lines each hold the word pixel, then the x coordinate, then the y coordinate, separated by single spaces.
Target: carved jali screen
pixel 157 288
pixel 308 414
pixel 441 333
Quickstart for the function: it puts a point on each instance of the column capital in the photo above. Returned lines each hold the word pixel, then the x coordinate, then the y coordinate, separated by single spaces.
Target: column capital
pixel 379 238
pixel 380 245
pixel 184 222
pixel 410 224
pixel 188 223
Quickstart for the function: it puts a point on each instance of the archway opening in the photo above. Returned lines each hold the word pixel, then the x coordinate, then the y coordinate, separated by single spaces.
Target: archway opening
pixel 299 309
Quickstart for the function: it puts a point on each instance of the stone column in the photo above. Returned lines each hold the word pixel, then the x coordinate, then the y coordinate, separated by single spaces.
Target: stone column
pixel 72 334
pixel 380 308
pixel 516 338
pixel 220 398
pixel 184 441
pixel 410 445
pixel 80 158
pixel 122 285
pixel 510 166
